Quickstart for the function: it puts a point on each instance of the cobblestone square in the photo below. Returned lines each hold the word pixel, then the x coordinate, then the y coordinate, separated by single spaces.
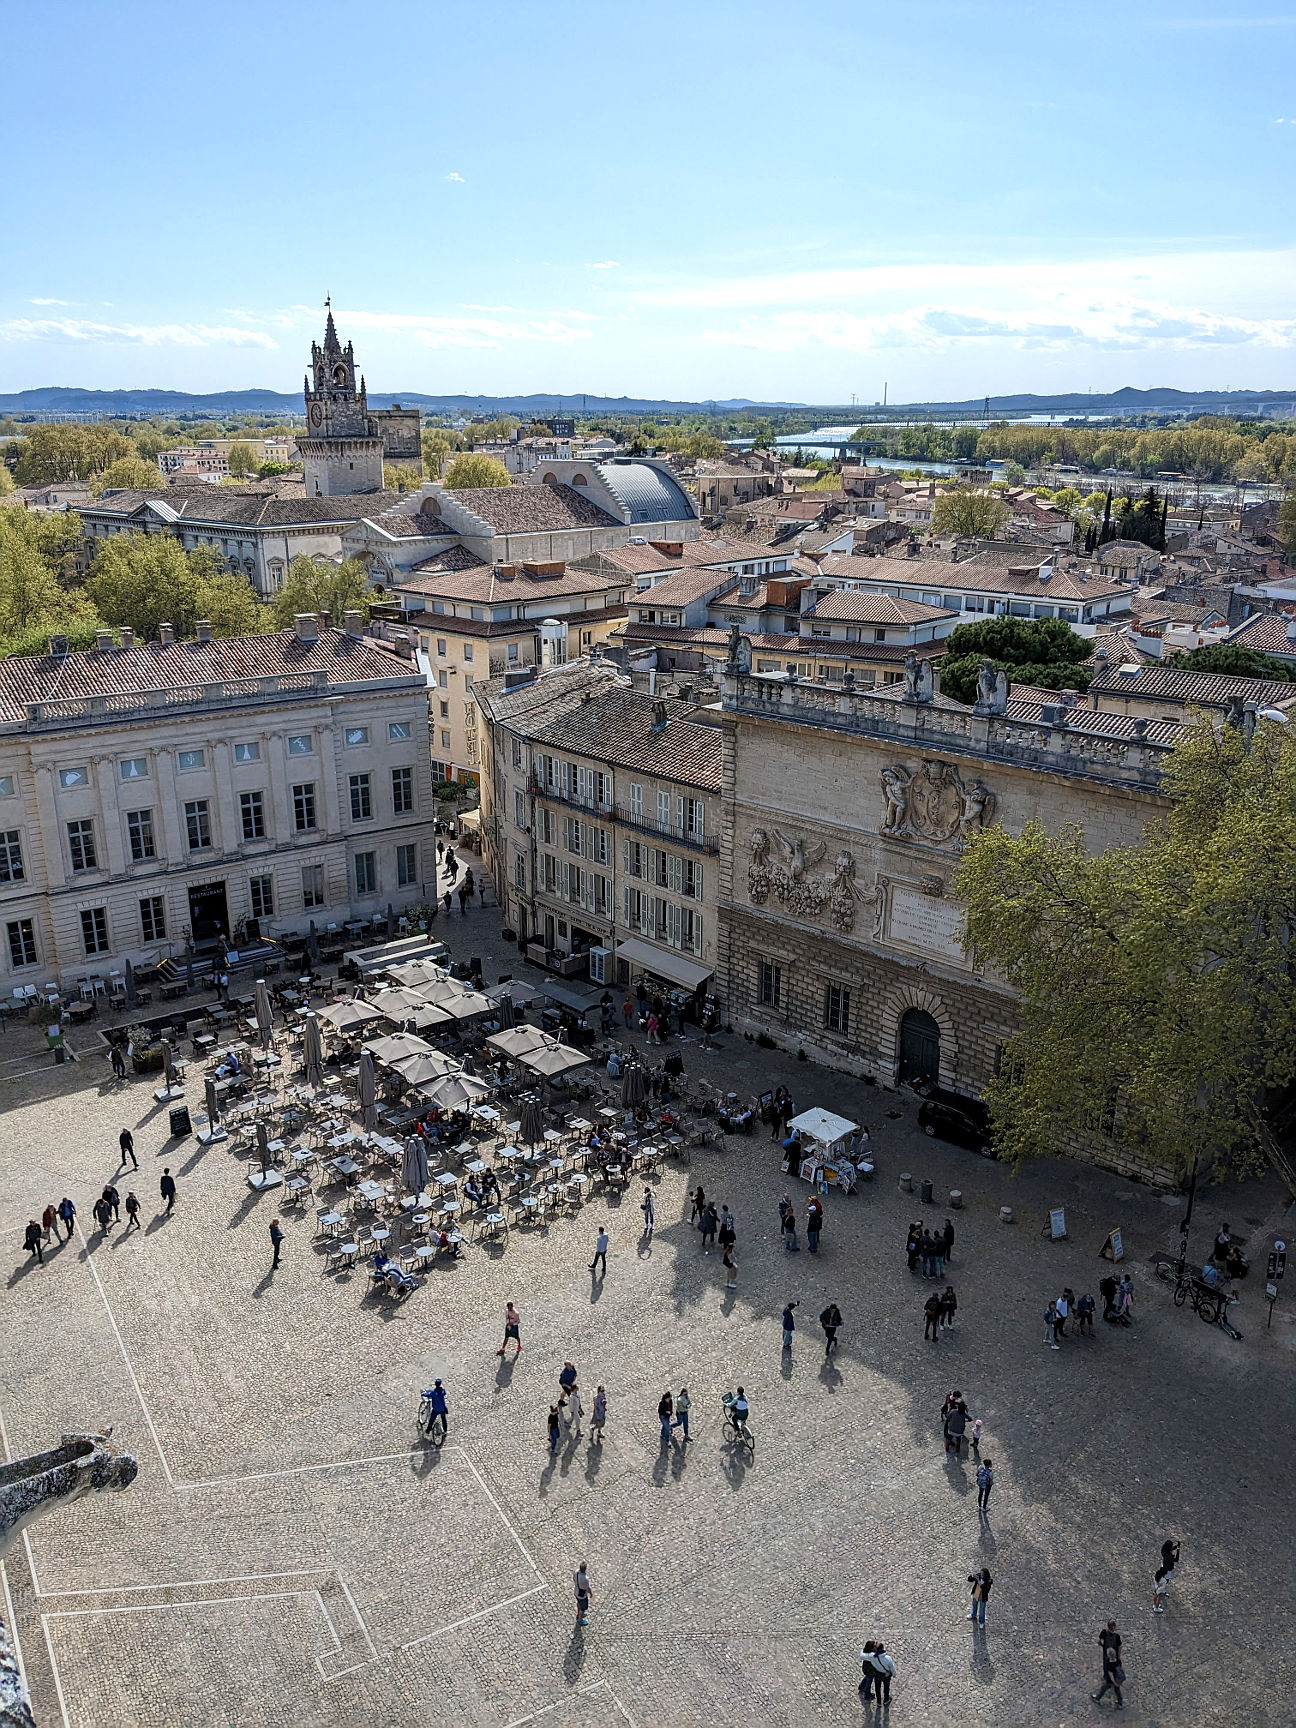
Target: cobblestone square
pixel 291 1552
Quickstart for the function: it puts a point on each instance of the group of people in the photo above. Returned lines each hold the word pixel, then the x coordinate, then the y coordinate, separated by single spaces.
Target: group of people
pixel 830 1319
pixel 938 1312
pixel 569 1411
pixel 929 1249
pixel 1118 1299
pixel 1068 1306
pixel 788 1223
pixel 716 1226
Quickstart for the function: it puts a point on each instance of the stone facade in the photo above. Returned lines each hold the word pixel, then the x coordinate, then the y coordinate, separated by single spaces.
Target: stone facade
pixel 343 447
pixel 844 816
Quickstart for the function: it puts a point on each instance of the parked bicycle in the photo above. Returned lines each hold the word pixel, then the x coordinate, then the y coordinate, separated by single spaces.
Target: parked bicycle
pixel 1210 1301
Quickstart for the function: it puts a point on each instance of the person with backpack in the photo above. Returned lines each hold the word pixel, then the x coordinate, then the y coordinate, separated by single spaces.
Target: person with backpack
pixel 981 1582
pixel 883 1670
pixel 132 1212
pixel 985 1482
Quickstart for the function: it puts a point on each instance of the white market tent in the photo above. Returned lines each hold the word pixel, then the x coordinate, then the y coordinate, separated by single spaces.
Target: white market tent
pixel 822 1125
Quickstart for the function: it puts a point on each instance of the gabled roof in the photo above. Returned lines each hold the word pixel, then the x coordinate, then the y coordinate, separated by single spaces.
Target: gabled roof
pixel 1192 689
pixel 228 506
pixel 1266 633
pixel 844 604
pixel 978 573
pixel 532 509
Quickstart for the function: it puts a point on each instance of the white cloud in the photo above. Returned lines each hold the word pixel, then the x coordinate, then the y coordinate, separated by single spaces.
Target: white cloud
pixel 607 264
pixel 445 332
pixel 457 178
pixel 139 335
pixel 37 301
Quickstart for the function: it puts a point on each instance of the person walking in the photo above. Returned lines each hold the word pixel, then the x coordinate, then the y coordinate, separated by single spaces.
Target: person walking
pixel 276 1240
pixel 627 1012
pixel 168 1188
pixel 1126 1299
pixel 1164 1573
pixel 870 1672
pixel 575 1410
pixel 67 1212
pixel 728 1234
pixel 512 1329
pixel 567 1378
pixel 113 1198
pixel 830 1320
pixel 985 1482
pixel 788 1225
pixel 102 1215
pixel 883 1669
pixel 132 1212
pixel 697 1204
pixel 948 1308
pixel 731 1268
pixel 789 1323
pixel 1062 1308
pixel 981 1582
pixel 682 1407
pixel 582 1585
pixel 118 1062
pixel 1050 1326
pixel 1113 1669
pixel 49 1223
pixel 599 1419
pixel 32 1241
pixel 649 1209
pixel 931 1308
pixel 445 901
pixel 709 1226
pixel 555 1427
pixel 126 1140
pixel 814 1222
pixel 1084 1309
pixel 665 1415
pixel 955 1428
pixel 600 1251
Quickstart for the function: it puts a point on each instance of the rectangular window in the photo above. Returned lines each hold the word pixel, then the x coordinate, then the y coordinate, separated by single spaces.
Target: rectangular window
pixel 441 647
pixel 94 930
pixel 153 918
pixel 519 872
pixel 250 752
pixel 11 863
pixel 361 799
pixel 445 710
pixel 445 740
pixel 402 791
pixel 366 873
pixel 636 802
pixel 836 1008
pixel 139 833
pixel 301 744
pixel 769 985
pixel 406 866
pixel 663 809
pixel 81 845
pixel 598 845
pixel 304 808
pixel 22 943
pixel 517 753
pixel 443 680
pixel 468 648
pixel 354 735
pixel 695 818
pixel 188 760
pixel 691 930
pixel 261 892
pixel 73 777
pixel 133 768
pixel 252 812
pixel 6 785
pixel 398 731
pixel 312 886
pixel 519 808
pixel 198 824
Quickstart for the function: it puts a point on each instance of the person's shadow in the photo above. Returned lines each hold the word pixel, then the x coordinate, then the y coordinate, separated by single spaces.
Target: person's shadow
pixel 504 1373
pixel 727 1302
pixel 547 1474
pixel 593 1459
pixel 830 1374
pixel 261 1288
pixel 983 1669
pixel 158 1220
pixel 596 1287
pixel 786 1365
pixel 574 1660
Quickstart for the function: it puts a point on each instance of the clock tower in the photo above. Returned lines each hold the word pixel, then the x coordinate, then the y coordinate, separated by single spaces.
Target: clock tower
pixel 342 447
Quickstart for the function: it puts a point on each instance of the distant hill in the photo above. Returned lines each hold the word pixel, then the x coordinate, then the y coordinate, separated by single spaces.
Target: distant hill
pixel 70 399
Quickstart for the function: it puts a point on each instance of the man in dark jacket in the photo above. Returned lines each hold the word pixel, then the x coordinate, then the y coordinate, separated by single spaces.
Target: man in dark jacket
pixel 168 1187
pixel 276 1241
pixel 32 1241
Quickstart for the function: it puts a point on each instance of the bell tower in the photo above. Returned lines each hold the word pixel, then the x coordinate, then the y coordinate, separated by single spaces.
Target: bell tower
pixel 342 448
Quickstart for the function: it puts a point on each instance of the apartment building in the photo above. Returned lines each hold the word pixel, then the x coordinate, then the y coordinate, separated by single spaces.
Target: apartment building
pixel 600 821
pixel 160 795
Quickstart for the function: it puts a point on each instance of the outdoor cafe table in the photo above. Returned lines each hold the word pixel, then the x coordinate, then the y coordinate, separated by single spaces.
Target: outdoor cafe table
pixel 610 1115
pixel 302 1155
pixel 476 1166
pixel 424 1254
pixel 493 1223
pixel 379 1233
pixel 509 1153
pixel 484 1113
pixel 532 1205
pixel 580 1125
pixel 556 1164
pixel 371 1191
pixel 343 1166
pixel 345 1139
pixel 331 1222
pixel 446 1182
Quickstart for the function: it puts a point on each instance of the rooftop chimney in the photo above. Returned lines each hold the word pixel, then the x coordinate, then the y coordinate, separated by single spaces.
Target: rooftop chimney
pixel 166 634
pixel 306 626
pixel 58 647
pixel 659 713
pixel 354 623
pixel 204 630
pixel 127 636
pixel 103 640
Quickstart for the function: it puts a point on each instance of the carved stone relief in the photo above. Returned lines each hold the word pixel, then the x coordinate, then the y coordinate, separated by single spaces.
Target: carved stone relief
pixel 935 804
pixel 792 883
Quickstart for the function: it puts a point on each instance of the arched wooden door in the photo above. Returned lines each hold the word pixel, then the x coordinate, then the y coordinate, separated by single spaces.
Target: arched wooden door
pixel 919 1047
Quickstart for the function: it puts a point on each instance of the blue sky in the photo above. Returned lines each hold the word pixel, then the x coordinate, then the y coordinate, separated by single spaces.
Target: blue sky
pixel 697 200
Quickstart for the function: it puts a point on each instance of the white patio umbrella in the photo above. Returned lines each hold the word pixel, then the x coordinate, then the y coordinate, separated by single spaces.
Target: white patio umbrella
pixel 427 1016
pixel 395 1045
pixel 264 1014
pixel 422 1069
pixel 465 1006
pixel 518 1040
pixel 313 1053
pixel 415 973
pixel 368 1092
pixel 344 1016
pixel 455 1092
pixel 552 1058
pixel 397 1004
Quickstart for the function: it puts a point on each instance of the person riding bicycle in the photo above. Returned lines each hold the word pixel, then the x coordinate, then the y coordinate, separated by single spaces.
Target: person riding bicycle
pixel 736 1408
pixel 436 1399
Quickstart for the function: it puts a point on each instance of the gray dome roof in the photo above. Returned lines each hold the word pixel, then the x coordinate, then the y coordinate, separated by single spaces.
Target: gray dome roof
pixel 647 493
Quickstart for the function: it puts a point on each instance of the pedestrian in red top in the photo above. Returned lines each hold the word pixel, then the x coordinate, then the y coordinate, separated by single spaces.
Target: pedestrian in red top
pixel 512 1329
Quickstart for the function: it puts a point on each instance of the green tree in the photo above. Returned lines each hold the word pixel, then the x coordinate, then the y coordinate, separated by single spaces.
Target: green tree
pixel 1236 661
pixel 144 580
pixel 538 429
pixel 437 445
pixel 316 586
pixel 1040 651
pixel 467 473
pixel 229 604
pixel 1286 526
pixel 129 474
pixel 401 477
pixel 30 595
pixel 241 460
pixel 1154 980
pixel 66 451
pixel 272 470
pixel 965 511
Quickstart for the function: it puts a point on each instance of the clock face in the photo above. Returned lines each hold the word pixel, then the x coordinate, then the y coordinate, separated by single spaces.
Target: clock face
pixel 316 414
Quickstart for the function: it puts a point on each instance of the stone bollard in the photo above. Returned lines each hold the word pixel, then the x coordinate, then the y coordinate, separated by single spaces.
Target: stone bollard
pixel 906 1182
pixel 956 1199
pixel 1005 1215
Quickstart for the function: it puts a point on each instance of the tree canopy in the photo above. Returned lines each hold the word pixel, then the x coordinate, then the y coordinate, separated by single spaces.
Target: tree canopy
pixel 1041 651
pixel 69 451
pixel 1154 980
pixel 470 471
pixel 241 460
pixel 128 473
pixel 144 580
pixel 965 511
pixel 1236 660
pixel 316 586
pixel 1286 525
pixel 37 555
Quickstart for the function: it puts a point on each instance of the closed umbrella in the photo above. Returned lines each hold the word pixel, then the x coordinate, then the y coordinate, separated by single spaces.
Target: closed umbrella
pixel 505 1012
pixel 368 1092
pixel 213 1102
pixel 312 945
pixel 168 1063
pixel 414 1165
pixel 531 1126
pixel 263 1145
pixel 264 1014
pixel 634 1086
pixel 130 985
pixel 313 1052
